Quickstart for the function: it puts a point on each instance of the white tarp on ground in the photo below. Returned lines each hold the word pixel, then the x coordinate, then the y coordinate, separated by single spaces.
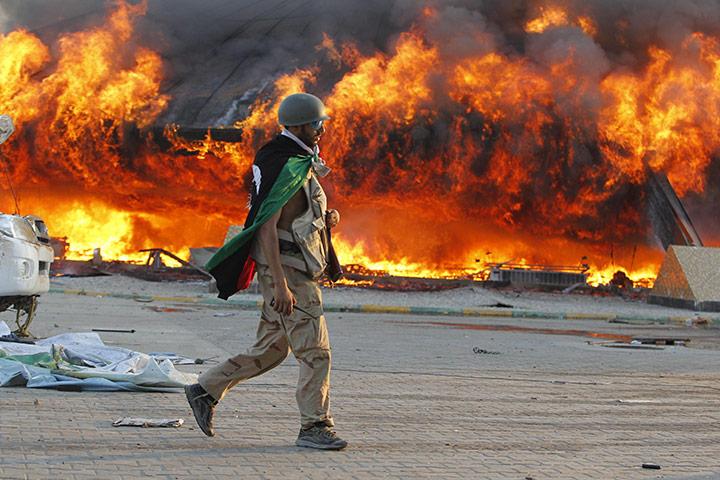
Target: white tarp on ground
pixel 81 361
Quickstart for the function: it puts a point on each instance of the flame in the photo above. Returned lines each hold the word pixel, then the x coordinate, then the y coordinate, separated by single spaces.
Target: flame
pixel 556 16
pixel 444 157
pixel 669 118
pixel 493 152
pixel 549 17
pixel 75 153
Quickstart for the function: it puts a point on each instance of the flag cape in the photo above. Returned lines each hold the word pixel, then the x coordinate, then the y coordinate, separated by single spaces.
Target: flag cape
pixel 284 167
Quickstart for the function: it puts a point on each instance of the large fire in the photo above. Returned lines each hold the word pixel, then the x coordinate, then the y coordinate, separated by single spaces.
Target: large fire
pixel 445 156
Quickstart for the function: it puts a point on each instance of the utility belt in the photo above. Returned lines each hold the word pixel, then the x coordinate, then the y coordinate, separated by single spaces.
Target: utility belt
pixel 287 243
pixel 290 252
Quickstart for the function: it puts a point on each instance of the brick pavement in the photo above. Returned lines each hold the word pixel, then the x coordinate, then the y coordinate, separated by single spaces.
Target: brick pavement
pixel 411 396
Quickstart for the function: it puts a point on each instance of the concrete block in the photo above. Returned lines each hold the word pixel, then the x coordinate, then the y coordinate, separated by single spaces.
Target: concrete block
pixel 233 230
pixel 689 277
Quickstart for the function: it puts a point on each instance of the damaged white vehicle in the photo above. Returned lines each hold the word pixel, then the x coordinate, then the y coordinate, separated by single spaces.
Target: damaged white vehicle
pixel 25 257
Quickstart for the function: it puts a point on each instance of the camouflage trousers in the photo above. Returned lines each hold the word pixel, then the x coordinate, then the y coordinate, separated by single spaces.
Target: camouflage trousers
pixel 277 336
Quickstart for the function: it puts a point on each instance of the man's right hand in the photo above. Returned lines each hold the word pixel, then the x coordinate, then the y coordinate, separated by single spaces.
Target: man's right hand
pixel 284 300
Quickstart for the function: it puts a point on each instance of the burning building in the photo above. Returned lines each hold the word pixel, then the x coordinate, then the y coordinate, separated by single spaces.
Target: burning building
pixel 462 133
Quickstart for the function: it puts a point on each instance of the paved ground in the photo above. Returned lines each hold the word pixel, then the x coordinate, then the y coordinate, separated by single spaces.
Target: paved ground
pixel 416 397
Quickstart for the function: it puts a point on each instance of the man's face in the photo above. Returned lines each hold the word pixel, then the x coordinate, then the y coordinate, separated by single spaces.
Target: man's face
pixel 309 135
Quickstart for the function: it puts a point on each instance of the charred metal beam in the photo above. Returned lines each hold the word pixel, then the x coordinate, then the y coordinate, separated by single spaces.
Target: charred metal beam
pixel 667 215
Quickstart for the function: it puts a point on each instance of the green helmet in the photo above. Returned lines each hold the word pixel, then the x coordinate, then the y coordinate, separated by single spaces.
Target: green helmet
pixel 299 109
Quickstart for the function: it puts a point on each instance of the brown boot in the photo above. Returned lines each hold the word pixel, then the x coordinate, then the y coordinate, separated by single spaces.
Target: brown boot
pixel 203 407
pixel 320 436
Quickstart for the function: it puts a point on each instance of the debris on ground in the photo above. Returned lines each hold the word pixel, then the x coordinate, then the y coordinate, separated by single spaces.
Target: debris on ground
pixel 659 341
pixel 482 351
pixel 113 330
pixel 498 305
pixel 359 276
pixel 14 338
pixel 154 270
pixel 81 361
pixel 169 309
pixel 148 422
pixel 621 281
pixel 636 346
pixel 176 359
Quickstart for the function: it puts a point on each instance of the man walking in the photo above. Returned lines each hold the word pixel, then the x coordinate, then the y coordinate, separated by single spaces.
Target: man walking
pixel 286 240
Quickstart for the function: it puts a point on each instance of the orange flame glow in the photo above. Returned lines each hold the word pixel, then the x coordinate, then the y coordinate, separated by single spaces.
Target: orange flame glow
pixel 443 160
pixel 74 149
pixel 555 16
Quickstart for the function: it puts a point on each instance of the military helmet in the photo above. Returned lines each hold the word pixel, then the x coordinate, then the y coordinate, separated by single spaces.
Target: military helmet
pixel 299 109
